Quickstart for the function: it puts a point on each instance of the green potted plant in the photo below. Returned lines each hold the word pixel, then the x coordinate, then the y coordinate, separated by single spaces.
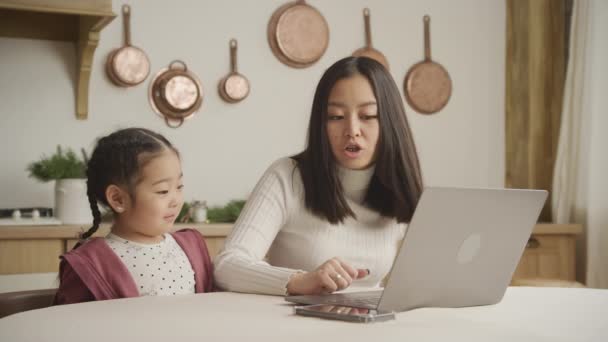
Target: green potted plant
pixel 197 211
pixel 69 173
pixel 228 213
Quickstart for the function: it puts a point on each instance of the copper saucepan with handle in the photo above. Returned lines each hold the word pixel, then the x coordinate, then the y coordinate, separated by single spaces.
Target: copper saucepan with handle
pixel 234 87
pixel 298 34
pixel 368 50
pixel 175 93
pixel 427 84
pixel 127 66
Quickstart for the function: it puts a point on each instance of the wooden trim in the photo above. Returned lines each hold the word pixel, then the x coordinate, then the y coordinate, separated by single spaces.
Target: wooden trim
pixel 558 229
pixel 72 231
pixel 208 230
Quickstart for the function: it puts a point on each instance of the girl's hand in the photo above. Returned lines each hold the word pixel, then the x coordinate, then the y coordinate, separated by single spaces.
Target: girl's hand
pixel 333 275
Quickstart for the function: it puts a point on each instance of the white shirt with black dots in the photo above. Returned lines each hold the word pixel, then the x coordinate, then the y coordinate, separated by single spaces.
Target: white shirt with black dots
pixel 160 269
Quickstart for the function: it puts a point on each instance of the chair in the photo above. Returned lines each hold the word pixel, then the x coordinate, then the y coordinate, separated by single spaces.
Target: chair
pixel 14 302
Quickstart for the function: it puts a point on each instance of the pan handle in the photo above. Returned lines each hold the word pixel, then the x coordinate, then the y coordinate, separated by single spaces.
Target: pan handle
pixel 233 47
pixel 168 122
pixel 368 29
pixel 427 38
pixel 126 20
pixel 177 61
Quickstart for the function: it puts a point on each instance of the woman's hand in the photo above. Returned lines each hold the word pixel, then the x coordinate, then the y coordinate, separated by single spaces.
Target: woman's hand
pixel 333 275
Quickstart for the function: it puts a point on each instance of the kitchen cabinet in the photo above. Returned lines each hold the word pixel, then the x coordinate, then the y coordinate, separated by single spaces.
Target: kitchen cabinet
pixel 36 249
pixel 549 254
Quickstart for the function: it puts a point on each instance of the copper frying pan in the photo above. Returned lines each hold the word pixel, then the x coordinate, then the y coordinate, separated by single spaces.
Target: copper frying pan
pixel 427 84
pixel 175 93
pixel 368 50
pixel 127 66
pixel 298 34
pixel 234 87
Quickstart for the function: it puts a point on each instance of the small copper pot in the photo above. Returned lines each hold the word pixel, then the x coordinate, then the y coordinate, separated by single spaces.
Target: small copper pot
pixel 129 65
pixel 234 87
pixel 175 93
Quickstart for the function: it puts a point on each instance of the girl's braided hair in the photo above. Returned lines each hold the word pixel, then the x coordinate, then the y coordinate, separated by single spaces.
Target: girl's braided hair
pixel 118 159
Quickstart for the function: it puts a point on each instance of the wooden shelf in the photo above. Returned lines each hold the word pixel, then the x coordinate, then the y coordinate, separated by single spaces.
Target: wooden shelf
pixel 63 20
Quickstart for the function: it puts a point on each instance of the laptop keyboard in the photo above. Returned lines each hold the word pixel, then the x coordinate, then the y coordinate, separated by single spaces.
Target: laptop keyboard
pixel 366 299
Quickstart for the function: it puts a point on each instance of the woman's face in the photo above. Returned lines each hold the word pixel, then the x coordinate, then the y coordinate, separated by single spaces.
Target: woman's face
pixel 352 122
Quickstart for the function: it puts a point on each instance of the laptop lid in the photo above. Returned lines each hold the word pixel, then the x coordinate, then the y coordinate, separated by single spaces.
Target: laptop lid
pixel 461 247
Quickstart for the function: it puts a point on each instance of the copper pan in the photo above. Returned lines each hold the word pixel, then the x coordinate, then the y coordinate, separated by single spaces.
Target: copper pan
pixel 427 84
pixel 127 66
pixel 272 39
pixel 175 93
pixel 368 50
pixel 234 87
pixel 298 34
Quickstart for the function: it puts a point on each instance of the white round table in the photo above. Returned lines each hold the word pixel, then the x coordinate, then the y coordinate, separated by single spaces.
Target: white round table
pixel 525 314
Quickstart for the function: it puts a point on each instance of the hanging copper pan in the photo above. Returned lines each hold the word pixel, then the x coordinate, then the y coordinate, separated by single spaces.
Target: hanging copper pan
pixel 298 34
pixel 368 50
pixel 127 66
pixel 427 84
pixel 175 93
pixel 234 87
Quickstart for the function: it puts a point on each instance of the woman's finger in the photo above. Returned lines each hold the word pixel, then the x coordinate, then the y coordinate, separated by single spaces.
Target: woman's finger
pixel 341 281
pixel 352 272
pixel 362 273
pixel 337 273
pixel 328 285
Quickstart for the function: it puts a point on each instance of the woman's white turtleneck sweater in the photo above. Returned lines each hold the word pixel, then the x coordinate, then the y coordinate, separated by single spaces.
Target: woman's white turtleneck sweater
pixel 276 236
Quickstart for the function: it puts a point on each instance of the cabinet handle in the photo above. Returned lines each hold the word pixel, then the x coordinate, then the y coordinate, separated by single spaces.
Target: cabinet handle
pixel 532 243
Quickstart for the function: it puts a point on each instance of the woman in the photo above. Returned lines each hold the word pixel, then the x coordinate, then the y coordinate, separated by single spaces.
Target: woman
pixel 334 214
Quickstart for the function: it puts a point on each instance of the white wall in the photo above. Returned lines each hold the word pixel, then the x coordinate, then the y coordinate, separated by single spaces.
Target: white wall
pixel 226 147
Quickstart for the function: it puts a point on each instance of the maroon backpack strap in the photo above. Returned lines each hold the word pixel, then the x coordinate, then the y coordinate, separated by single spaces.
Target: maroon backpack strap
pixel 101 270
pixel 193 244
pixel 71 288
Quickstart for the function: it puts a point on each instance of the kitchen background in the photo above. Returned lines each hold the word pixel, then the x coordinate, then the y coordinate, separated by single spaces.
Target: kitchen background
pixel 226 147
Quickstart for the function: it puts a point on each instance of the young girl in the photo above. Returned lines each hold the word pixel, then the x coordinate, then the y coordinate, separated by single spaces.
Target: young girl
pixel 137 174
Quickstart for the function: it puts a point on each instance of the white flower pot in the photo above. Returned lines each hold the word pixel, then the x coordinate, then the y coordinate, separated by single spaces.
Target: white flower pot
pixel 199 214
pixel 71 201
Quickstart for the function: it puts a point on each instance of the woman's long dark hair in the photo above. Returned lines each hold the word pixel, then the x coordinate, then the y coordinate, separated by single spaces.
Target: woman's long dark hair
pixel 118 159
pixel 396 185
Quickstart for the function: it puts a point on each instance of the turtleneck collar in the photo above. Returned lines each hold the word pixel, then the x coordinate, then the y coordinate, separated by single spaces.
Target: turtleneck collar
pixel 355 182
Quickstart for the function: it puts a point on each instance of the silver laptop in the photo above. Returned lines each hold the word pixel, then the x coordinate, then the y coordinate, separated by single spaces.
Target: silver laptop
pixel 460 249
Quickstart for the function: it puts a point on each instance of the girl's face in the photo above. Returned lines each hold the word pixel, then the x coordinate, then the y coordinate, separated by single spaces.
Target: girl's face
pixel 352 122
pixel 159 198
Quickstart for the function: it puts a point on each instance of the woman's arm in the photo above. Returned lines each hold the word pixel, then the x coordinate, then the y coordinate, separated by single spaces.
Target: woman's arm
pixel 240 266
